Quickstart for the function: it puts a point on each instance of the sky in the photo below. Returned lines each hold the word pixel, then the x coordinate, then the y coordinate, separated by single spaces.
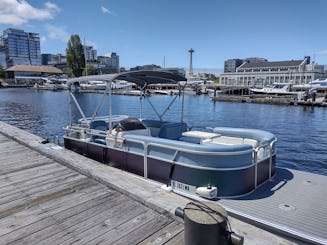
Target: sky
pixel 161 32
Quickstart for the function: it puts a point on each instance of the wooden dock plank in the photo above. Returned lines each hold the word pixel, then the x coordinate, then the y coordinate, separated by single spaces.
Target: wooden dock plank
pixel 105 218
pixel 179 239
pixel 26 196
pixel 135 235
pixel 164 235
pixel 120 229
pixel 58 226
pixel 43 202
pixel 29 163
pixel 52 177
pixel 26 174
pixel 50 206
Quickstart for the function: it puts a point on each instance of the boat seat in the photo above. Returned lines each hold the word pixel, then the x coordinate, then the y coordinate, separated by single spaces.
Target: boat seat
pixel 172 131
pixel 154 126
pixel 189 139
pixel 228 140
pixel 99 125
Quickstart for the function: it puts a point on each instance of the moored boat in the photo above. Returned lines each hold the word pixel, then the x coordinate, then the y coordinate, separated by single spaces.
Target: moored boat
pixel 276 89
pixel 210 163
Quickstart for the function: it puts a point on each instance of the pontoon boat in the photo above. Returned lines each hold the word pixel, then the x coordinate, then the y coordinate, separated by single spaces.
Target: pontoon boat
pixel 210 163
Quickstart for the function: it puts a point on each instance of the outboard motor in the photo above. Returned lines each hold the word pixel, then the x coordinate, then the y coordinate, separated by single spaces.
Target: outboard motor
pixel 207 223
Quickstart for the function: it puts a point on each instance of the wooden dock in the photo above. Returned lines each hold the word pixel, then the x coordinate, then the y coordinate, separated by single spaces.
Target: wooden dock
pixel 44 202
pixel 269 99
pixel 50 195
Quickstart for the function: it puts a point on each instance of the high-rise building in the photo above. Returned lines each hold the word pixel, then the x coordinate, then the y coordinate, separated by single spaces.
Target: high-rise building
pixel 53 59
pixel 21 48
pixel 3 62
pixel 89 53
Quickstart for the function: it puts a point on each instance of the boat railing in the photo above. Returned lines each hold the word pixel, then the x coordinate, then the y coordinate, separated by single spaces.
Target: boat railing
pixel 178 150
pixel 112 118
pixel 217 153
pixel 268 150
pixel 256 155
pixel 85 132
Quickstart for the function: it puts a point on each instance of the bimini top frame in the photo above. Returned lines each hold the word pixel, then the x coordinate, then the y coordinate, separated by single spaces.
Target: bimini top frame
pixel 140 78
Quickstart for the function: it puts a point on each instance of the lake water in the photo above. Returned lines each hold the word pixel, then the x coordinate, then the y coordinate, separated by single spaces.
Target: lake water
pixel 301 131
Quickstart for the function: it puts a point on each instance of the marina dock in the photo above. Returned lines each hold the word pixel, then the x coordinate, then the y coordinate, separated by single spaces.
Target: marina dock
pixel 270 99
pixel 50 195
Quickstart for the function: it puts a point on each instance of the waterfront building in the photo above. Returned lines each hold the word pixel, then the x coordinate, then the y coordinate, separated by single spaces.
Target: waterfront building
pixel 262 72
pixel 24 74
pixel 53 59
pixel 56 60
pixel 3 63
pixel 21 48
pixel 230 65
pixel 89 53
pixel 145 67
pixel 108 64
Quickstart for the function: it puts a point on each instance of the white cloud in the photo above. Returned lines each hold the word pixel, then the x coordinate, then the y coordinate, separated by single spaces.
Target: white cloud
pixel 57 33
pixel 18 12
pixel 43 39
pixel 321 52
pixel 105 10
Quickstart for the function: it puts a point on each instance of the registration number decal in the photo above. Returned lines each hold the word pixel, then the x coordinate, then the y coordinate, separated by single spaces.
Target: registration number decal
pixel 182 187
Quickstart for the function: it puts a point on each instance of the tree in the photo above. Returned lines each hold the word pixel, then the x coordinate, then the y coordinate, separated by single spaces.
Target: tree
pixel 2 72
pixel 75 55
pixel 68 71
pixel 91 70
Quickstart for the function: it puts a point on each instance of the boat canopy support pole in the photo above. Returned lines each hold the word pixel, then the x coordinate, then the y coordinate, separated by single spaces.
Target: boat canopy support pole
pixel 168 107
pixel 141 95
pixel 165 111
pixel 70 110
pixel 109 105
pixel 182 112
pixel 155 110
pixel 100 104
pixel 78 106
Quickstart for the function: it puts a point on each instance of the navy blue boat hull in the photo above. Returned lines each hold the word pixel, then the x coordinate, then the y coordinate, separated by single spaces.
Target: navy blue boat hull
pixel 230 181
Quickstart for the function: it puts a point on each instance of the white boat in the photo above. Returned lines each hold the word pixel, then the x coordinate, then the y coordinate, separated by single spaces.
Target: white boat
pixel 122 85
pixel 51 84
pixel 208 162
pixel 275 89
pixel 93 85
pixel 319 84
pixel 193 85
pixel 161 92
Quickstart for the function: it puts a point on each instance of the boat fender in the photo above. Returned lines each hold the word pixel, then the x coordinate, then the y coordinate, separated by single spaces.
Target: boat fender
pixel 209 192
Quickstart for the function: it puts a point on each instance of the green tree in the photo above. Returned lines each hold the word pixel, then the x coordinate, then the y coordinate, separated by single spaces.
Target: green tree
pixel 2 72
pixel 75 55
pixel 91 70
pixel 68 71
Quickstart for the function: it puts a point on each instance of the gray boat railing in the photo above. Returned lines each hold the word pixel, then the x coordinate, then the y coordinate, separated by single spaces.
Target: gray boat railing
pixel 216 153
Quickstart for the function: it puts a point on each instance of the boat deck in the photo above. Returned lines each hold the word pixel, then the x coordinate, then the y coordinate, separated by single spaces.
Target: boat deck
pixel 44 201
pixel 293 203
